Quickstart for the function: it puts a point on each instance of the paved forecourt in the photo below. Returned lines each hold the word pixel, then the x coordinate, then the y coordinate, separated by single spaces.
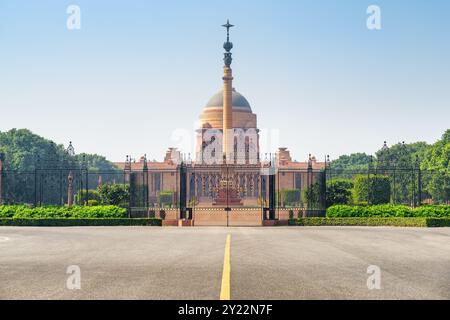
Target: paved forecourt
pixel 219 262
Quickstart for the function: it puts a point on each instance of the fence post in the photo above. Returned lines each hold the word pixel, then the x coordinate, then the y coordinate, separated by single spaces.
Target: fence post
pixel 413 189
pixel 1 175
pixel 393 191
pixel 419 181
pixel 369 189
pixel 35 186
pixel 145 182
pixel 183 193
pixel 61 199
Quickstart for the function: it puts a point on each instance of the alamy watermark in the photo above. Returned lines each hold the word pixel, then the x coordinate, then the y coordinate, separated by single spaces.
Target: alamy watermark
pixel 374 279
pixel 73 21
pixel 74 280
pixel 374 19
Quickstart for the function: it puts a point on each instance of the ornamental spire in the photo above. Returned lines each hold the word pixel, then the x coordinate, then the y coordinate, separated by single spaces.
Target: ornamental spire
pixel 227 45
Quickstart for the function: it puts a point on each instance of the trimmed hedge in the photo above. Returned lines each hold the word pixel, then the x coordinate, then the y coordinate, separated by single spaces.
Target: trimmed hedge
pixel 375 189
pixel 388 210
pixel 380 221
pixel 79 222
pixel 56 212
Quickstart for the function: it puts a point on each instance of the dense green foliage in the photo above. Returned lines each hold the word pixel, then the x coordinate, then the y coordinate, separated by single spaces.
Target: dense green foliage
pixel 114 194
pixel 291 197
pixel 389 210
pixel 375 221
pixel 355 162
pixel 51 212
pixel 165 198
pixel 398 162
pixel 23 150
pixel 81 222
pixel 313 195
pixel 36 166
pixel 437 158
pixel 80 197
pixel 339 192
pixel 373 189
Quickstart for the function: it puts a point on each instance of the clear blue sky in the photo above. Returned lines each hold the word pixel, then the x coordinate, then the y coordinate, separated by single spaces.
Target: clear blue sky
pixel 137 70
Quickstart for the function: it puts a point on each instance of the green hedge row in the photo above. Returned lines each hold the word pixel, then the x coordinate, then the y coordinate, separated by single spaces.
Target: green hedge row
pixel 79 222
pixel 389 210
pixel 55 212
pixel 380 221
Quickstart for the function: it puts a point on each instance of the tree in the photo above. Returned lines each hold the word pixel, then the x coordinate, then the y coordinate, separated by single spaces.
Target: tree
pixel 399 162
pixel 373 189
pixel 437 160
pixel 36 169
pixel 115 194
pixel 291 197
pixel 314 195
pixel 347 165
pixel 339 192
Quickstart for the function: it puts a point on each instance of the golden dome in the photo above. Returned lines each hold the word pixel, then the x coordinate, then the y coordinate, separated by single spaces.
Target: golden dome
pixel 212 117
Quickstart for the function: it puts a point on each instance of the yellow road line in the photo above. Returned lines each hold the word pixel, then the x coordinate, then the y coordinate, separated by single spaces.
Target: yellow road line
pixel 225 288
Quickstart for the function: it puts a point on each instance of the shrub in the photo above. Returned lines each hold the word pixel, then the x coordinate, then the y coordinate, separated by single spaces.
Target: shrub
pixel 80 222
pixel 373 189
pixel 339 192
pixel 165 198
pixel 312 194
pixel 291 197
pixel 62 212
pixel 9 211
pixel 378 221
pixel 436 211
pixel 388 210
pixel 92 195
pixel 92 203
pixel 114 194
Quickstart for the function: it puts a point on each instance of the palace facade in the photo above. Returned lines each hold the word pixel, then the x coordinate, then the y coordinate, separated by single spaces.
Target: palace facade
pixel 227 165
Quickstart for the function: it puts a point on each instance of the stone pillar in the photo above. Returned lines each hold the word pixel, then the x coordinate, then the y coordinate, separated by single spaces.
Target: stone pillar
pixel 245 185
pixel 69 190
pixel 227 110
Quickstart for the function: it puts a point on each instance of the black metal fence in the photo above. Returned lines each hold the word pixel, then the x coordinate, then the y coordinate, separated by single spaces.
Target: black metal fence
pixel 51 186
pixel 47 186
pixel 409 186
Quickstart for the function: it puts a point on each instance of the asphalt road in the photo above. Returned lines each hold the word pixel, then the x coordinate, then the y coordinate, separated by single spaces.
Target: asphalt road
pixel 187 263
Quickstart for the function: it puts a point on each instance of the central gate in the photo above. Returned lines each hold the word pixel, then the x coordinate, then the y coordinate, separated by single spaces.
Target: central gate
pixel 224 195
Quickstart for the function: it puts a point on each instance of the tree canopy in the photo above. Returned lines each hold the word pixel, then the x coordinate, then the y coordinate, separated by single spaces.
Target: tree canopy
pixel 36 170
pixel 433 160
pixel 22 150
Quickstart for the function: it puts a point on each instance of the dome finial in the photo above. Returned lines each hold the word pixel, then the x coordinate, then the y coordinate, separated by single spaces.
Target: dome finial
pixel 228 26
pixel 228 45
